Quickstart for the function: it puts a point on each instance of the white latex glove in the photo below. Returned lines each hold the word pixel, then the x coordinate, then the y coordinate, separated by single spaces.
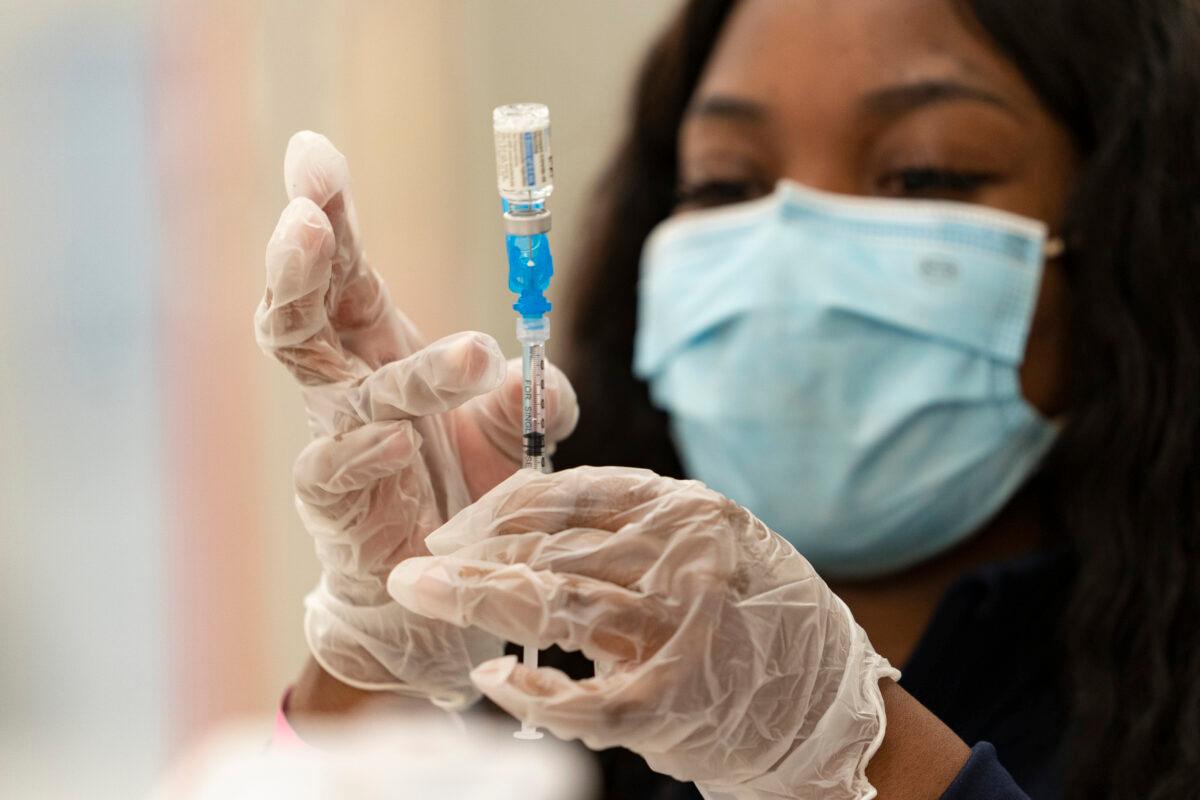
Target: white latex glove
pixel 407 435
pixel 720 656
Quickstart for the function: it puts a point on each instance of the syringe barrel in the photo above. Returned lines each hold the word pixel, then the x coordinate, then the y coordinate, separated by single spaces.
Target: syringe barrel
pixel 524 162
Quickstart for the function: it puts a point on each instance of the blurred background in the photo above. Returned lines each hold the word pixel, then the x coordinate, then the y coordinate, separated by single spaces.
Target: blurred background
pixel 151 565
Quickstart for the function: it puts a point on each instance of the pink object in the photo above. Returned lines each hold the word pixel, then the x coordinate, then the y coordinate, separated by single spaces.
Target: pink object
pixel 285 736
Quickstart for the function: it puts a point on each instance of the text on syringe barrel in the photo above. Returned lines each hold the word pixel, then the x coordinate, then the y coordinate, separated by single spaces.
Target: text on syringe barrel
pixel 533 407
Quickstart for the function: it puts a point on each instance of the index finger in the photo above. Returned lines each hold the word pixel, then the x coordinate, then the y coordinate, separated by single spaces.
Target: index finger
pixel 359 307
pixel 291 322
pixel 604 621
pixel 603 498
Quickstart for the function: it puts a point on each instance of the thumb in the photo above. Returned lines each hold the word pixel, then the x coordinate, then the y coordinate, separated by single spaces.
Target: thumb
pixel 498 413
pixel 598 711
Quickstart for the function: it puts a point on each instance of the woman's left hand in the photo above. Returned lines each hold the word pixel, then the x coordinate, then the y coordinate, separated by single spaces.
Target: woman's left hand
pixel 407 433
pixel 721 656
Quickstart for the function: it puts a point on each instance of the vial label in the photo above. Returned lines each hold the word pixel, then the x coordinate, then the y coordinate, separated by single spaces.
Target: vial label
pixel 523 160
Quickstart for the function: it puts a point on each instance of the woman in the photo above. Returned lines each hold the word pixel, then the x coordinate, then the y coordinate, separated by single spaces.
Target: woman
pixel 1038 403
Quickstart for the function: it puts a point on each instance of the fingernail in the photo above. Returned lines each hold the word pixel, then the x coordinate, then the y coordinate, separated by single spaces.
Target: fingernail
pixel 449 538
pixel 403 441
pixel 402 582
pixel 493 673
pixel 423 585
pixel 485 361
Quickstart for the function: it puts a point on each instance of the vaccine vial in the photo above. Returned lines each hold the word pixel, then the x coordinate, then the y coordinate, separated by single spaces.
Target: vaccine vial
pixel 524 163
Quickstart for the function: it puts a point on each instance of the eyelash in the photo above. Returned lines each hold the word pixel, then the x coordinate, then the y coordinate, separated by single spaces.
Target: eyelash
pixel 922 182
pixel 713 193
pixel 933 182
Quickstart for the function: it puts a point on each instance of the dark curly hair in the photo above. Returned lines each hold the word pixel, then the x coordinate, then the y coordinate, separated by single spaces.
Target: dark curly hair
pixel 1123 77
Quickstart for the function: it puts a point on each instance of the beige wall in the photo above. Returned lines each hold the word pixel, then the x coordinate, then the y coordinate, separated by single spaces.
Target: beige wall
pixel 151 564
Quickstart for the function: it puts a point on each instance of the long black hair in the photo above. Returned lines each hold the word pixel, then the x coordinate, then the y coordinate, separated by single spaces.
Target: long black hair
pixel 1123 76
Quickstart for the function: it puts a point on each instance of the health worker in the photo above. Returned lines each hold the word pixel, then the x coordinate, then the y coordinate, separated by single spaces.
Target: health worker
pixel 885 402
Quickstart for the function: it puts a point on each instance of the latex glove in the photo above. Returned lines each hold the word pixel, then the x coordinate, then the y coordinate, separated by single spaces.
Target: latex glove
pixel 720 656
pixel 408 434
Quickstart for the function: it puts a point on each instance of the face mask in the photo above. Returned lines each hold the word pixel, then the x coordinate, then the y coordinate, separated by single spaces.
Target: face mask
pixel 846 368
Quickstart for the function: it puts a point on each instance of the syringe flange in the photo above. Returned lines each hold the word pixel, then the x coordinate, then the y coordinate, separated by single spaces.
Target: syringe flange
pixel 527 224
pixel 533 330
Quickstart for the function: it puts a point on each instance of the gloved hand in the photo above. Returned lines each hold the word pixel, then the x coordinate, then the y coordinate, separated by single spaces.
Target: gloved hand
pixel 407 434
pixel 720 656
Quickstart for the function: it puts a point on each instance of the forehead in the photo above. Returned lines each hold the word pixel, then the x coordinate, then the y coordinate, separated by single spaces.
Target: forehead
pixel 814 56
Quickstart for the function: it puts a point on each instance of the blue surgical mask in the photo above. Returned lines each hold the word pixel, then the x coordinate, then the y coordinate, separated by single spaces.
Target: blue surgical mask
pixel 847 368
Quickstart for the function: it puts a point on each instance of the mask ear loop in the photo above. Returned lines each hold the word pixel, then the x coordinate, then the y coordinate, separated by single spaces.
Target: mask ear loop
pixel 1056 248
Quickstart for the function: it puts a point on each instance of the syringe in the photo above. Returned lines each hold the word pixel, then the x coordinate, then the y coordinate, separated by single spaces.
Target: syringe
pixel 525 177
pixel 533 395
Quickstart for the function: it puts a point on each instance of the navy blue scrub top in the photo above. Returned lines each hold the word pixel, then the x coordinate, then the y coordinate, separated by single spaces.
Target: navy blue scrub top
pixel 989 666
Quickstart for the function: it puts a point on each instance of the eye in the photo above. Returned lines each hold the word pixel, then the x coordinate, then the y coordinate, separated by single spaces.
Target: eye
pixel 933 183
pixel 706 194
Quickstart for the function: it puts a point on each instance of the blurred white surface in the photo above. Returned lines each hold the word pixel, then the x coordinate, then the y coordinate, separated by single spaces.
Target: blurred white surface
pixel 382 761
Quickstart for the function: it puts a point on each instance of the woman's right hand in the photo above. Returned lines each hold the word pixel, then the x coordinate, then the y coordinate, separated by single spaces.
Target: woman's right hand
pixel 407 434
pixel 721 656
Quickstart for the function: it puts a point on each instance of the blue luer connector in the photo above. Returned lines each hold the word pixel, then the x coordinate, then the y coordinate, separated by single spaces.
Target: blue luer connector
pixel 530 268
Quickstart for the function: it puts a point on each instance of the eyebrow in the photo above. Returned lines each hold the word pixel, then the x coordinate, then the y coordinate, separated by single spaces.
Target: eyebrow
pixel 723 106
pixel 889 101
pixel 893 101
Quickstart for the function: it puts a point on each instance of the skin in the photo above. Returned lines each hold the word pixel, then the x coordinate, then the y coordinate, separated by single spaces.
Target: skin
pixel 886 98
pixel 905 99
